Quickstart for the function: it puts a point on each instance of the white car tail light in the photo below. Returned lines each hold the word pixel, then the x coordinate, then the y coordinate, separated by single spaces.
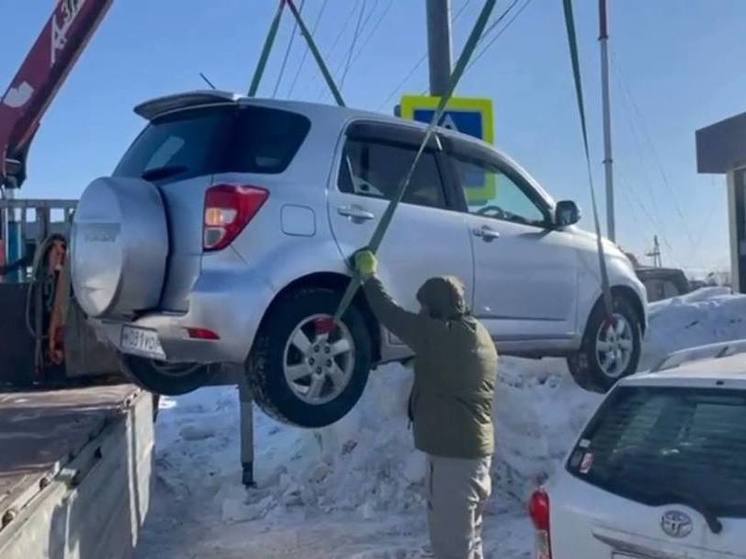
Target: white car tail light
pixel 538 508
pixel 228 209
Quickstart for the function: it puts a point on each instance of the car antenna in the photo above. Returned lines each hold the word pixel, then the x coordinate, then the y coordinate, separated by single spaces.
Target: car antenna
pixel 207 81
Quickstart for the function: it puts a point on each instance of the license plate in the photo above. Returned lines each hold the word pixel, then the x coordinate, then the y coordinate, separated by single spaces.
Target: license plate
pixel 142 341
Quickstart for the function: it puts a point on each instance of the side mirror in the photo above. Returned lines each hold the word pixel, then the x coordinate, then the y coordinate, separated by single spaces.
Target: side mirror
pixel 566 213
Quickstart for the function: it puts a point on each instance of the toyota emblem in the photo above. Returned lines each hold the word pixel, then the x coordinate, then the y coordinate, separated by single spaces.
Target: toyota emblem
pixel 676 524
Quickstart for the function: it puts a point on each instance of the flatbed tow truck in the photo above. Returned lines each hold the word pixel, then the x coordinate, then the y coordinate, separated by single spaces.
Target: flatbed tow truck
pixel 76 441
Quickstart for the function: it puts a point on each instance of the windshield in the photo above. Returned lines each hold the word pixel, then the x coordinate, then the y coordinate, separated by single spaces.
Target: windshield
pixel 665 445
pixel 226 139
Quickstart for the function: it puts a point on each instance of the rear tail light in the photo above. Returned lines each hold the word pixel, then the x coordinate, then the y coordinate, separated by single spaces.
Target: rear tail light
pixel 228 209
pixel 538 509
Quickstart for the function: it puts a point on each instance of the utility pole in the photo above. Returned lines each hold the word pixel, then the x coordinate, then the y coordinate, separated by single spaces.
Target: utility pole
pixel 439 45
pixel 655 254
pixel 603 38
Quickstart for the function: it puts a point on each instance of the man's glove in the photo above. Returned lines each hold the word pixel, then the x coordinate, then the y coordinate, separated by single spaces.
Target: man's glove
pixel 366 264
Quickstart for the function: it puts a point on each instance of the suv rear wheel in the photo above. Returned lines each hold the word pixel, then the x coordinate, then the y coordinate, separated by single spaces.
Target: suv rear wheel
pixel 611 347
pixel 304 369
pixel 171 379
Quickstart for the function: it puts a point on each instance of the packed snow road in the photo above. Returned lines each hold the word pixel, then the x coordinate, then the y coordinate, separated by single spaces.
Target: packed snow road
pixel 353 490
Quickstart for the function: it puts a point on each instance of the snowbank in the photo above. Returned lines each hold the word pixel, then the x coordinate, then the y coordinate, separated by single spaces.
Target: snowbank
pixel 708 315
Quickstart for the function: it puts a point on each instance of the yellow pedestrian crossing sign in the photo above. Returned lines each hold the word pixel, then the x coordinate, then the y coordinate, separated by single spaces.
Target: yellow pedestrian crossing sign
pixel 469 115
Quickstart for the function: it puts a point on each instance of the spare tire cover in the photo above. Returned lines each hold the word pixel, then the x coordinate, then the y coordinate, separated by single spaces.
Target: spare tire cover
pixel 119 245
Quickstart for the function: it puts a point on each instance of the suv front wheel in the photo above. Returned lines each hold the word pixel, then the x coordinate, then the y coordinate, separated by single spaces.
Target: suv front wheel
pixel 611 347
pixel 304 369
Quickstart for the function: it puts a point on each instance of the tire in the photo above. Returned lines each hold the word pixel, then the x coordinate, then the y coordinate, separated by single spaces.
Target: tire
pixel 586 366
pixel 157 379
pixel 268 371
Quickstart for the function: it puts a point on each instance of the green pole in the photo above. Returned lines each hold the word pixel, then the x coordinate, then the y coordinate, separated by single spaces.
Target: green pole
pixel 266 49
pixel 316 54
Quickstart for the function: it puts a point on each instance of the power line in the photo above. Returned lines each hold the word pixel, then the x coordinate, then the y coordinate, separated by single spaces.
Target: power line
pixel 355 36
pixel 330 50
pixel 499 18
pixel 417 65
pixel 373 30
pixel 638 144
pixel 654 153
pixel 287 52
pixel 486 47
pixel 306 51
pixel 629 193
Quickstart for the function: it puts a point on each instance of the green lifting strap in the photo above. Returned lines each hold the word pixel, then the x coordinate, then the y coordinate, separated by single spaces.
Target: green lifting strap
pixel 383 224
pixel 572 41
pixel 266 49
pixel 317 54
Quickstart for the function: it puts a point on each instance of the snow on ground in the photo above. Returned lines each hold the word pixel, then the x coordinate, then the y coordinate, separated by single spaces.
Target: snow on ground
pixel 708 315
pixel 353 490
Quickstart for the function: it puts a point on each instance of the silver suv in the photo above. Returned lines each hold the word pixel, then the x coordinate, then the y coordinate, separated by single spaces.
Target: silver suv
pixel 224 233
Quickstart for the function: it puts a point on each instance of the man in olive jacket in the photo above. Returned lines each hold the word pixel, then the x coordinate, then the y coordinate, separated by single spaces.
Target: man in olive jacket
pixel 451 405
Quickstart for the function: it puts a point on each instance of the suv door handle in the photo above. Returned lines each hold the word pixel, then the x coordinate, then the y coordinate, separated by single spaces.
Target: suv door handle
pixel 355 213
pixel 486 233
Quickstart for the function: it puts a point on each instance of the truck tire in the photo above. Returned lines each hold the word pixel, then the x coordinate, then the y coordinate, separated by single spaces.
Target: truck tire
pixel 303 369
pixel 165 378
pixel 609 352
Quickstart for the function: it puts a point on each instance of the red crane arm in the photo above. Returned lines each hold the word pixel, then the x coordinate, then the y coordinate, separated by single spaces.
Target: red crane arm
pixel 45 68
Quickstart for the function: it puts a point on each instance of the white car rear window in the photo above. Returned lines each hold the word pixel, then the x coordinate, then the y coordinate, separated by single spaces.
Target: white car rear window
pixel 663 445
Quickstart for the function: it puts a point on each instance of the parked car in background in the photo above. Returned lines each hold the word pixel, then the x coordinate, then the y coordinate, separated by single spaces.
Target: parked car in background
pixel 660 469
pixel 223 237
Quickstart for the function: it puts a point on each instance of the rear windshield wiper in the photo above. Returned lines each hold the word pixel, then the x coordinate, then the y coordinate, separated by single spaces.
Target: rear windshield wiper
pixel 160 173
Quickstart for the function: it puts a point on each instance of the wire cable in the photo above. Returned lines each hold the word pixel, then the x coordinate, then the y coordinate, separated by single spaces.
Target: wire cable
pixel 307 50
pixel 287 52
pixel 417 64
pixel 373 30
pixel 486 47
pixel 654 154
pixel 355 37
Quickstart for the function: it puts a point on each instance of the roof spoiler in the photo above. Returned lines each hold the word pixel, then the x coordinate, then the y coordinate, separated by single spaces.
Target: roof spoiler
pixel 709 351
pixel 155 107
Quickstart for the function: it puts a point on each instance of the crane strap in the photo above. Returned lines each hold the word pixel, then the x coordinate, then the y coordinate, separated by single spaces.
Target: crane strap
pixel 308 35
pixel 573 43
pixel 388 215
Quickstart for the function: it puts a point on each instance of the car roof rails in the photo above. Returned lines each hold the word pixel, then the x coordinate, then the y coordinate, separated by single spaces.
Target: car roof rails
pixel 709 351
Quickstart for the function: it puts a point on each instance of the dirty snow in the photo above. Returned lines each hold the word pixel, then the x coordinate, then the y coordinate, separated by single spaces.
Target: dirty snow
pixel 353 490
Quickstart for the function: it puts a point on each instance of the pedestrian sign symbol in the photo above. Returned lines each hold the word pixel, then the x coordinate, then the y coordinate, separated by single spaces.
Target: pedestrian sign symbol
pixel 473 116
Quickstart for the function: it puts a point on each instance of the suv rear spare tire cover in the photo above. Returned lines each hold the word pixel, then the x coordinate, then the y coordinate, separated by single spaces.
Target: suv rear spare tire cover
pixel 119 247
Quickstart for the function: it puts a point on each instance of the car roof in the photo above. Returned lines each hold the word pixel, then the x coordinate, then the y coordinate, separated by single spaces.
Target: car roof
pixel 719 372
pixel 331 114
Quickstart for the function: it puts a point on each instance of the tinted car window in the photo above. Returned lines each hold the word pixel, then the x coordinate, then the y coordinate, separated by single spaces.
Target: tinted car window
pixel 216 140
pixel 492 193
pixel 666 445
pixel 376 169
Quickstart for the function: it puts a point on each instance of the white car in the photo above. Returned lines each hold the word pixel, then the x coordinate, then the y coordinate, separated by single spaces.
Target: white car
pixel 660 470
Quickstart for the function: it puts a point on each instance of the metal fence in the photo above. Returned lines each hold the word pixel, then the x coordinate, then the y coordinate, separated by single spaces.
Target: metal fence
pixel 25 224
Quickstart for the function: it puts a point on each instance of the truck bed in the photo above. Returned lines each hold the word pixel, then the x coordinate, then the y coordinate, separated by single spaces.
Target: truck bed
pixel 75 471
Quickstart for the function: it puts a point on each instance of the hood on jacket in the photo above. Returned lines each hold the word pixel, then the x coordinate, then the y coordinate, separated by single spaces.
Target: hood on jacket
pixel 443 297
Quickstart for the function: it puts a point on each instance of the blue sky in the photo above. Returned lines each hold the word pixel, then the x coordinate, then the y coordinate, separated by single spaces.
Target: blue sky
pixel 676 67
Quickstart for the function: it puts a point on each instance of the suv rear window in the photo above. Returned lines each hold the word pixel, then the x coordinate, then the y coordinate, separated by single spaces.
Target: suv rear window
pixel 215 140
pixel 667 445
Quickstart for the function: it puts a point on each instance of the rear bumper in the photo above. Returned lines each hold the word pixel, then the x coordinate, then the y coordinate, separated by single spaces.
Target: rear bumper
pixel 228 303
